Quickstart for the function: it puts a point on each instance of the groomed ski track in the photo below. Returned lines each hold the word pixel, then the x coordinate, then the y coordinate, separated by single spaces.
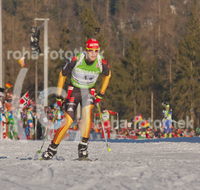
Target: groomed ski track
pixel 140 165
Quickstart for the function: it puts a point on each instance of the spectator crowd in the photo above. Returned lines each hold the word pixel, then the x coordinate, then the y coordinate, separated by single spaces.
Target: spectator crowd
pixel 23 122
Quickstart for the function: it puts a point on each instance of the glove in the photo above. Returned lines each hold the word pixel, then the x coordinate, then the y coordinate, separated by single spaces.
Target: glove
pixel 59 100
pixel 98 98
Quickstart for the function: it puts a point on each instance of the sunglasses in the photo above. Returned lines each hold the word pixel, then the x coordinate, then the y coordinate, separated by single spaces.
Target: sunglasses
pixel 95 50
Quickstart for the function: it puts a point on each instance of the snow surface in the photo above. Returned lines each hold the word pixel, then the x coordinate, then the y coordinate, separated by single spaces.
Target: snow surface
pixel 163 165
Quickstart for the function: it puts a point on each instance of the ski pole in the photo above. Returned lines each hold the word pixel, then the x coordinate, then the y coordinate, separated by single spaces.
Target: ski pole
pixel 39 151
pixel 109 149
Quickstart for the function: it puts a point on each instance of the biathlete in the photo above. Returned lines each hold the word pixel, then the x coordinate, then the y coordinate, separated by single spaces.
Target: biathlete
pixel 84 69
pixel 167 120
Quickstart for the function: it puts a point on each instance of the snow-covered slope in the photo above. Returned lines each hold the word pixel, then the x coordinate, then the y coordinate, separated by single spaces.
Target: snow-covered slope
pixel 163 165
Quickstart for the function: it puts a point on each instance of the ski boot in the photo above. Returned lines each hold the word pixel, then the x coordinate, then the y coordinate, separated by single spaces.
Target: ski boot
pixel 82 148
pixel 51 151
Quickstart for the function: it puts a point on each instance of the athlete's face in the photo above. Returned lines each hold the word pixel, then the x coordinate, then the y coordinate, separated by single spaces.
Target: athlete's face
pixel 92 55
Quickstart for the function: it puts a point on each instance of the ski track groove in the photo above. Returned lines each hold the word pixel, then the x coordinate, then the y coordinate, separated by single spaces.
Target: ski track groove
pixel 125 186
pixel 12 182
pixel 128 166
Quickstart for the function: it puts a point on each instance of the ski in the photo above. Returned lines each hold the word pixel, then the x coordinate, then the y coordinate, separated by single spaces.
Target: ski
pixel 3 157
pixel 85 159
pixel 59 158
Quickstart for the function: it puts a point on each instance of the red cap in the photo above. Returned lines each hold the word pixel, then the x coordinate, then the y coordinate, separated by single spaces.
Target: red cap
pixel 92 44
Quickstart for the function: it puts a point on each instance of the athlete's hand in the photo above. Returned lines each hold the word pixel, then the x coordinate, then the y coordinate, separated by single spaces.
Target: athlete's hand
pixel 59 100
pixel 98 97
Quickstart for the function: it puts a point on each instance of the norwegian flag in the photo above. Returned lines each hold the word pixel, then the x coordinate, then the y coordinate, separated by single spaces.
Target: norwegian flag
pixel 138 118
pixel 25 100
